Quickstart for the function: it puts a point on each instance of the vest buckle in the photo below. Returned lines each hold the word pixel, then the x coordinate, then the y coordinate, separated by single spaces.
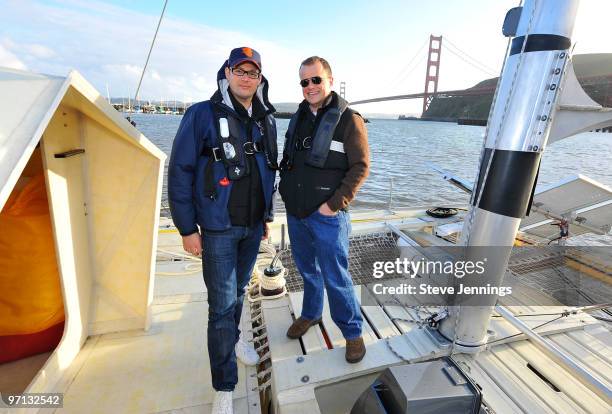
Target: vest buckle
pixel 214 154
pixel 303 144
pixel 251 148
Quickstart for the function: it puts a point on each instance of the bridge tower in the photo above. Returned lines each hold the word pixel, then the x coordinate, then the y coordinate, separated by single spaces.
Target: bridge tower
pixel 433 70
pixel 342 90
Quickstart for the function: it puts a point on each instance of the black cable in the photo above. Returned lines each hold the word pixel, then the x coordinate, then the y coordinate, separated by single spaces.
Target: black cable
pixel 601 318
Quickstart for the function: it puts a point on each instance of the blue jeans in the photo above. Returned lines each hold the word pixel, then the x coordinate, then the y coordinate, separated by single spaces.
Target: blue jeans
pixel 319 245
pixel 227 261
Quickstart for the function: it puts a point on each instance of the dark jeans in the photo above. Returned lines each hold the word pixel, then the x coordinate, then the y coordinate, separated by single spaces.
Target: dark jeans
pixel 227 261
pixel 319 245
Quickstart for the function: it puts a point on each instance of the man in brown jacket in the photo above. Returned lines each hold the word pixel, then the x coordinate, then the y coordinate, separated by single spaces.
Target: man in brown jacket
pixel 325 161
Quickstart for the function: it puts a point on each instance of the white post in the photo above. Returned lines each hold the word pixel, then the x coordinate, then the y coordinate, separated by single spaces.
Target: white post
pixel 519 126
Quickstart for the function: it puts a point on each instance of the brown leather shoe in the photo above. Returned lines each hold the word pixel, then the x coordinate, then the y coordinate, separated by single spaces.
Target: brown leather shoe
pixel 300 326
pixel 355 350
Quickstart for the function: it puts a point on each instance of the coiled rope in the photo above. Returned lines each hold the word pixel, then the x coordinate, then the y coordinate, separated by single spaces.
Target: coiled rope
pixel 260 284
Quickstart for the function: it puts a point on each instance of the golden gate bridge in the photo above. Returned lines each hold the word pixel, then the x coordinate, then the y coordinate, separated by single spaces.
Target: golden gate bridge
pixel 432 77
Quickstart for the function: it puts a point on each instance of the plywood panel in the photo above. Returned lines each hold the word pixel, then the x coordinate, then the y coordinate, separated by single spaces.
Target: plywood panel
pixel 122 211
pixel 66 198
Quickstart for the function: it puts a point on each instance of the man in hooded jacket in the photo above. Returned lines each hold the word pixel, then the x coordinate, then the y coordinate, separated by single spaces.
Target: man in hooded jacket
pixel 220 189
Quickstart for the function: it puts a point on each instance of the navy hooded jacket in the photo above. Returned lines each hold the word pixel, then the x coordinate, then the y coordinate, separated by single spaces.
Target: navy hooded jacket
pixel 198 130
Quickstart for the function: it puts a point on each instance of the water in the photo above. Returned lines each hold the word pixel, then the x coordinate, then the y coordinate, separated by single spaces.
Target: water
pixel 401 149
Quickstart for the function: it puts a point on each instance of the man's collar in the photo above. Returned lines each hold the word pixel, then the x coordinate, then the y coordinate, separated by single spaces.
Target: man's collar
pixel 328 100
pixel 257 109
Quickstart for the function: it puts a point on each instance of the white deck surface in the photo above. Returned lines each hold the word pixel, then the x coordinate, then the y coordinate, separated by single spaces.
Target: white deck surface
pixel 509 385
pixel 165 369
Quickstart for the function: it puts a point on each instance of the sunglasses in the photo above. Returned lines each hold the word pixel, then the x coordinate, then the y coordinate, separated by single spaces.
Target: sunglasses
pixel 316 80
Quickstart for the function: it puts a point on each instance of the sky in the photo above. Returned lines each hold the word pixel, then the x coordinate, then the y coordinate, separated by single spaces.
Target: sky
pixel 379 48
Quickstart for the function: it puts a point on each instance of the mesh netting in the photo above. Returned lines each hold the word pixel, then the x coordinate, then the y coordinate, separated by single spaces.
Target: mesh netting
pixel 565 273
pixel 546 271
pixel 364 250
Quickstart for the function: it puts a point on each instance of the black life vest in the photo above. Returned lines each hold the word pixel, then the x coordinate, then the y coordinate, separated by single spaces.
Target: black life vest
pixel 312 171
pixel 322 139
pixel 233 146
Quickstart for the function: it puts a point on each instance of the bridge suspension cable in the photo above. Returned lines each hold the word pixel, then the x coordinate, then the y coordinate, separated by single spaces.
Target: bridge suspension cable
pixel 455 50
pixel 488 72
pixel 407 66
pixel 450 43
pixel 406 70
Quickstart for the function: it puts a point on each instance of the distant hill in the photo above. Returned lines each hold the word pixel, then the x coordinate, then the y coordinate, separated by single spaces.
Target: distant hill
pixel 588 68
pixel 593 64
pixel 286 109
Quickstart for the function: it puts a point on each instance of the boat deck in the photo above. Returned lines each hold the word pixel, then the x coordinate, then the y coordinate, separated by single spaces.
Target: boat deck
pixel 166 368
pixel 514 375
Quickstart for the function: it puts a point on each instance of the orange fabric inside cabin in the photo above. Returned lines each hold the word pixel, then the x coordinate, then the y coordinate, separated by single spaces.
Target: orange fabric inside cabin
pixel 31 304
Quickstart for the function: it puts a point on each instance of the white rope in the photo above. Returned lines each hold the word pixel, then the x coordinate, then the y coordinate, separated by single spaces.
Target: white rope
pixel 260 282
pixel 195 265
pixel 263 373
pixel 257 329
pixel 257 318
pixel 181 255
pixel 263 386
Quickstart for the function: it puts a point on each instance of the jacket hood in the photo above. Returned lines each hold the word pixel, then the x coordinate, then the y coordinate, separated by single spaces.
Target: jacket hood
pixel 222 94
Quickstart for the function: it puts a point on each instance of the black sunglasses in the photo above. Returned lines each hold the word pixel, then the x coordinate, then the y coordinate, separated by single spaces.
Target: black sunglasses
pixel 316 80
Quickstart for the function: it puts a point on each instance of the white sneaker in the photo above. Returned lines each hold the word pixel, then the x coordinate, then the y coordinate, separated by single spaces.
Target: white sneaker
pixel 223 403
pixel 246 353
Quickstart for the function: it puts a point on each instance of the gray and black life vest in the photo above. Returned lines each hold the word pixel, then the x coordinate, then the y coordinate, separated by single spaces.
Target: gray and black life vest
pixel 322 142
pixel 314 167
